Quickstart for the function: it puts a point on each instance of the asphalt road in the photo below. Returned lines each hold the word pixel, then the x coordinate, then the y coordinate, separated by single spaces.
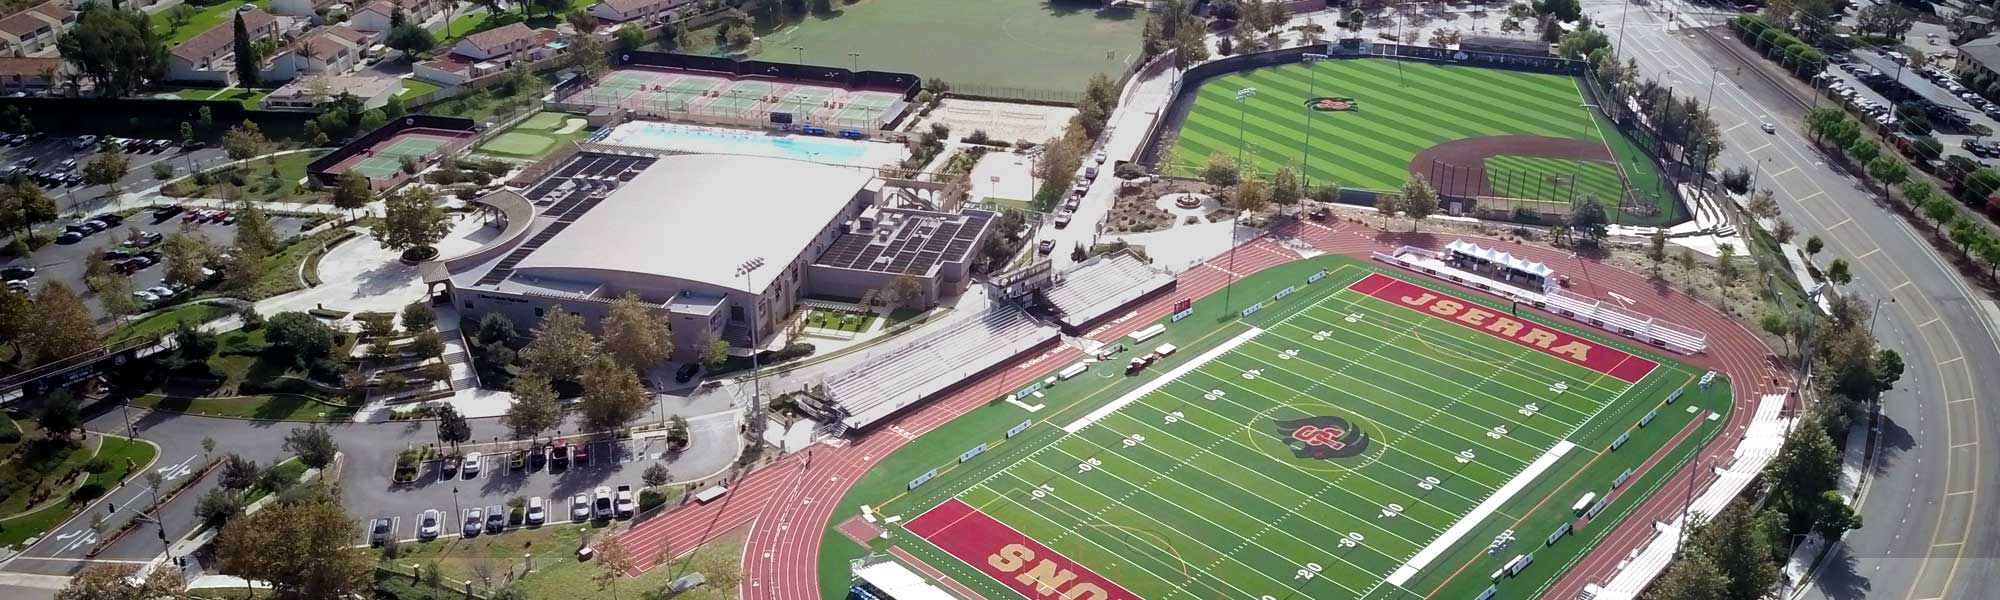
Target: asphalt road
pixel 1929 501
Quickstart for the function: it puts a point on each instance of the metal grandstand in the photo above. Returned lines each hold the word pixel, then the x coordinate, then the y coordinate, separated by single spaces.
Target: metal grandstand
pixel 892 380
pixel 564 197
pixel 1103 285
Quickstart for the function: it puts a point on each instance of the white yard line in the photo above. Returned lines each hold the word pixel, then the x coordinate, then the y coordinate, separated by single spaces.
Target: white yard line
pixel 1162 380
pixel 1485 509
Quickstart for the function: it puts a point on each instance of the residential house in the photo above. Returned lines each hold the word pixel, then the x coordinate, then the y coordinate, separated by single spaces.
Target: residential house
pixel 488 52
pixel 299 8
pixel 376 16
pixel 29 74
pixel 625 11
pixel 34 31
pixel 333 50
pixel 209 57
pixel 307 93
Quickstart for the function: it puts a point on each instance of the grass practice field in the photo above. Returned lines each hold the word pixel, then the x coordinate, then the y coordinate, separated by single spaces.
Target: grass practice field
pixel 1536 177
pixel 1054 45
pixel 1399 115
pixel 1367 436
pixel 536 137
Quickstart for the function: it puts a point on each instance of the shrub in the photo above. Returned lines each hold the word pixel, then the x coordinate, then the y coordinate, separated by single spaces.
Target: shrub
pixel 650 499
pixel 87 493
pixel 218 506
pixel 97 465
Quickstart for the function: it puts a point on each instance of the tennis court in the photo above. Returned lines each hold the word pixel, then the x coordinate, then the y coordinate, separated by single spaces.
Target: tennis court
pixel 663 94
pixel 383 161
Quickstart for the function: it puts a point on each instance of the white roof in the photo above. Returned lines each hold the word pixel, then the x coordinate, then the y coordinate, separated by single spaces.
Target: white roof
pixel 900 583
pixel 697 217
pixel 1495 256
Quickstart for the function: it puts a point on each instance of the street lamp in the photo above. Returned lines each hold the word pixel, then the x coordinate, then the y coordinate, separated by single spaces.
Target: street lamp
pixel 802 54
pixel 857 60
pixel 1312 79
pixel 744 270
pixel 1242 98
pixel 1871 313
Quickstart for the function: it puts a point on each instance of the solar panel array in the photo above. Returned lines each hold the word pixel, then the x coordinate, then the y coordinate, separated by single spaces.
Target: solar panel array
pixel 919 243
pixel 567 194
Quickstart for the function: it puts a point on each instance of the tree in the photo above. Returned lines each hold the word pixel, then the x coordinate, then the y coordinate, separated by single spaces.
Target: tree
pixel 1885 20
pixel 1836 517
pixel 1656 249
pixel 631 36
pixel 1420 200
pixel 1888 170
pixel 412 39
pixel 253 228
pixel 495 328
pixel 1762 204
pixel 106 168
pixel 186 255
pixel 1739 542
pixel 1566 10
pixel 1864 150
pixel 613 561
pixel 1814 245
pixel 59 415
pixel 352 191
pixel 15 312
pixel 373 120
pixel 612 395
pixel 238 473
pixel 1775 324
pixel 1221 170
pixel 116 49
pixel 298 338
pixel 219 505
pixel 1838 272
pixel 634 335
pixel 562 348
pixel 1692 577
pixel 59 325
pixel 1784 231
pixel 412 220
pixel 1808 463
pixel 1588 221
pixel 314 445
pixel 1286 189
pixel 1939 211
pixel 302 548
pixel 535 408
pixel 452 428
pixel 115 294
pixel 121 582
pixel 1253 195
pixel 908 291
pixel 244 142
pixel 248 61
pixel 715 354
pixel 588 54
pixel 656 476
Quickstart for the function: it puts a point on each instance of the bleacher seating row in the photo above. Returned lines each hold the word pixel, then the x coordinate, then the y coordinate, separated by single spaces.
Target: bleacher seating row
pixel 1102 285
pixel 1596 312
pixel 898 378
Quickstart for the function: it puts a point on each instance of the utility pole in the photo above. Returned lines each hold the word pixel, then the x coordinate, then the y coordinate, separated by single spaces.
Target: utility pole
pixel 1312 78
pixel 1242 96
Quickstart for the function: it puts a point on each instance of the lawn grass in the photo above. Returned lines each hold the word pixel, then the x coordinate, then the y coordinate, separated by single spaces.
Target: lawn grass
pixel 17 529
pixel 8 426
pixel 259 185
pixel 1423 388
pixel 208 17
pixel 49 468
pixel 281 272
pixel 534 137
pixel 413 87
pixel 839 320
pixel 1027 44
pixel 166 322
pixel 263 407
pixel 1403 109
pixel 557 574
pixel 1553 179
pixel 250 98
pixel 119 452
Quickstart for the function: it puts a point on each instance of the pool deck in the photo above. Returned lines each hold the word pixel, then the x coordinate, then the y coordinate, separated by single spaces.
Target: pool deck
pixel 678 137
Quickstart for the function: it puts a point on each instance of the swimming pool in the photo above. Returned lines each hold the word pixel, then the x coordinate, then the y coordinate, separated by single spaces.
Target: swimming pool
pixel 715 140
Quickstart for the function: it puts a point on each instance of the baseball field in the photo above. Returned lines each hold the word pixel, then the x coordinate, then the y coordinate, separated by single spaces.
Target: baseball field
pixel 1391 120
pixel 1363 434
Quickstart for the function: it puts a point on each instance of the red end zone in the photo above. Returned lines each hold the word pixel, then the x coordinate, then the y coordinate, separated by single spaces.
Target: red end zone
pixel 1591 355
pixel 1015 560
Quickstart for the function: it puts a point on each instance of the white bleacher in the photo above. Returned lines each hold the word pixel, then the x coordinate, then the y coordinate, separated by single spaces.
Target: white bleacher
pixel 1102 285
pixel 1604 315
pixel 906 375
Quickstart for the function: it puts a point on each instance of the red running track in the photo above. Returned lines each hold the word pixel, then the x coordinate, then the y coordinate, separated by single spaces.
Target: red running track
pixel 789 504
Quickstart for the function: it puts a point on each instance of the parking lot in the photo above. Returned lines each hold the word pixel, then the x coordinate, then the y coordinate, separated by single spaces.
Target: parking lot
pixel 133 242
pixel 466 498
pixel 1871 83
pixel 50 155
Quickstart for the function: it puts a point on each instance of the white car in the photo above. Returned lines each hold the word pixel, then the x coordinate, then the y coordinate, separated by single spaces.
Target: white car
pixel 603 502
pixel 1100 157
pixel 625 504
pixel 536 513
pixel 162 292
pixel 471 466
pixel 145 296
pixel 427 525
pixel 579 508
pixel 1769 128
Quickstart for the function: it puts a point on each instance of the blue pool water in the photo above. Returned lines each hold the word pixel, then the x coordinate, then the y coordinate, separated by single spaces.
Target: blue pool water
pixel 669 136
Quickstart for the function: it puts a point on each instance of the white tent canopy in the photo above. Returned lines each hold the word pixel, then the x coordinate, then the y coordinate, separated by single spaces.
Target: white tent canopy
pixel 1500 258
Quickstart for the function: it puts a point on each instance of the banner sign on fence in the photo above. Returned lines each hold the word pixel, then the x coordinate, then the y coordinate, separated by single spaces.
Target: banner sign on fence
pixel 1648 419
pixel 969 454
pixel 1019 428
pixel 1620 481
pixel 1488 594
pixel 1029 391
pixel 1252 309
pixel 1558 535
pixel 1594 509
pixel 1285 292
pixel 1520 564
pixel 923 478
pixel 1676 395
pixel 1621 440
pixel 1316 277
pixel 1707 379
pixel 1178 315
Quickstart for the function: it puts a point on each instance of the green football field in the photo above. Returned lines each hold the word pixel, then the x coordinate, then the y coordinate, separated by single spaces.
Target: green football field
pixel 1402 111
pixel 1336 445
pixel 1538 178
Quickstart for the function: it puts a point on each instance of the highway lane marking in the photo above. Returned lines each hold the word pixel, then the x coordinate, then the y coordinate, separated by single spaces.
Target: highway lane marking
pixel 1867 254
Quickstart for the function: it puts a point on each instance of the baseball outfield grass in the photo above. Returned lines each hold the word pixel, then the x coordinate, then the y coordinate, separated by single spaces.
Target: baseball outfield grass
pixel 1357 438
pixel 1552 178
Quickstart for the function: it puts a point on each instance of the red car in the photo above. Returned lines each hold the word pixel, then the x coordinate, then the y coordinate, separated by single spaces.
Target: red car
pixel 582 454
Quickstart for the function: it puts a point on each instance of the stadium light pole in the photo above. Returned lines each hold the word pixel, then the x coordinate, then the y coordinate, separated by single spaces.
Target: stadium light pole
pixel 1242 98
pixel 756 375
pixel 802 54
pixel 857 60
pixel 1312 79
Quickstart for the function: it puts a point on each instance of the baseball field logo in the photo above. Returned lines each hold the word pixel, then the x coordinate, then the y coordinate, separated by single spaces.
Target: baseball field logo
pixel 1323 437
pixel 1330 104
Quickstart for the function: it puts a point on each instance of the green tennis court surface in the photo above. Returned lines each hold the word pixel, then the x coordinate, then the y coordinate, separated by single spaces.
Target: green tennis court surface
pixel 387 161
pixel 1555 179
pixel 1372 437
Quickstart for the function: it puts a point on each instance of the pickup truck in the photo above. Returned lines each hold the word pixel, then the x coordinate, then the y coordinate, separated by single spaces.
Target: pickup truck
pixel 626 505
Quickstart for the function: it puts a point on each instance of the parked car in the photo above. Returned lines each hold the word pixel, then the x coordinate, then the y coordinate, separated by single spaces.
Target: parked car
pixel 473 521
pixel 686 372
pixel 428 526
pixel 579 507
pixel 625 503
pixel 378 532
pixel 69 237
pixel 162 292
pixel 537 513
pixel 559 455
pixel 1047 246
pixel 603 502
pixel 581 455
pixel 167 212
pixel 16 273
pixel 144 296
pixel 471 467
pixel 109 218
pixel 496 519
pixel 84 143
